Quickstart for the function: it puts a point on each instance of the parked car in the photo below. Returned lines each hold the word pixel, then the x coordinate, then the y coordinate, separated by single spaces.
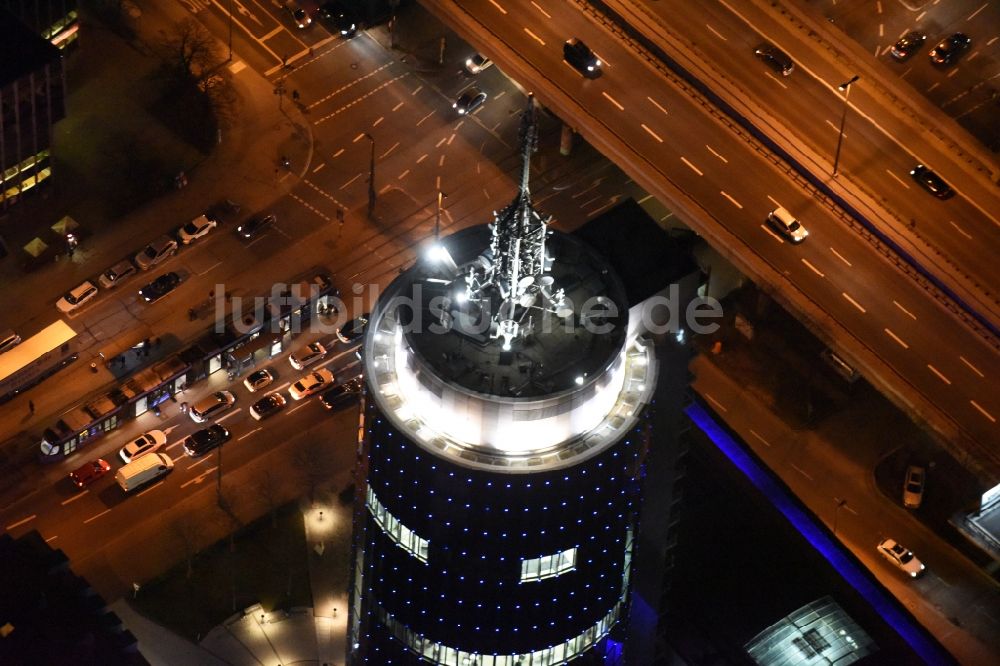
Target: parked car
pixel 353 329
pixel 341 394
pixel 148 442
pixel 212 406
pixel 76 297
pixel 114 275
pixel 311 383
pixel 341 16
pixel 87 473
pixel 775 58
pixel 255 226
pixel 900 557
pixel 469 101
pixel 160 287
pixel 8 340
pixel 931 182
pixel 476 63
pixel 950 49
pixel 303 358
pixel 204 440
pixel 157 251
pixel 581 58
pixel 259 379
pixel 196 228
pixel 299 14
pixel 269 405
pixel 907 45
pixel 913 486
pixel 787 225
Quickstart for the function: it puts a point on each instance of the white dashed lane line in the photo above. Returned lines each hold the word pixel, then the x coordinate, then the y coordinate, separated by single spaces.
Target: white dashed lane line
pixel 657 105
pixel 772 234
pixel 691 166
pixel 539 8
pixel 939 374
pixel 732 200
pixel 960 230
pixel 716 33
pixel 898 179
pixel 972 367
pixel 93 518
pixel 910 314
pixel 853 302
pixel 712 150
pixel 652 133
pixel 982 411
pixel 535 37
pixel 74 498
pixel 22 522
pixel 812 268
pixel 613 101
pixel 895 337
pixel 841 257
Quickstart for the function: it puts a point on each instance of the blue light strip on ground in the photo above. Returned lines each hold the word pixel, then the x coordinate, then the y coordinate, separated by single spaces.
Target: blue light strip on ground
pixel 879 599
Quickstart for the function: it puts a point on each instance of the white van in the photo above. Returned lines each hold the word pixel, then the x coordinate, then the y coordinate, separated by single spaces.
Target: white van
pixel 143 470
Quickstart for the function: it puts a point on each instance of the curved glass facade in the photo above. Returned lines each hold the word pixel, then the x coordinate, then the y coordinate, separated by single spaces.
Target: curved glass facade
pixel 456 594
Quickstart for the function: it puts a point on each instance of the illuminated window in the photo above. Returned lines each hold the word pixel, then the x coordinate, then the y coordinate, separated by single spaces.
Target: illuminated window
pixel 548 566
pixel 402 535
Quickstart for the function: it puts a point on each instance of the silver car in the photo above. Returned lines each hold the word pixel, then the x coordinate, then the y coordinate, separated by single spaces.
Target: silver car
pixel 114 275
pixel 157 251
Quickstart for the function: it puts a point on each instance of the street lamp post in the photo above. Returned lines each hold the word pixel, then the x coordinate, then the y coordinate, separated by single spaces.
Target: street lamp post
pixel 846 89
pixel 371 178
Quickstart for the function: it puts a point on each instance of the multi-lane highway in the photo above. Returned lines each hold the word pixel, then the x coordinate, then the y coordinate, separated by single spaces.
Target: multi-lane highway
pixel 724 183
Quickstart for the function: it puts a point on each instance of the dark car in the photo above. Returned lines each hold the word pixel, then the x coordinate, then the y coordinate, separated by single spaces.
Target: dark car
pixel 353 329
pixel 255 226
pixel 341 394
pixel 160 287
pixel 204 440
pixel 949 49
pixel 89 472
pixel 269 405
pixel 907 45
pixel 931 182
pixel 581 58
pixel 341 17
pixel 469 101
pixel 775 58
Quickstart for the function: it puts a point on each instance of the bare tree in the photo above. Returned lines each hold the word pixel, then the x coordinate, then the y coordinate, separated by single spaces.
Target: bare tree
pixel 185 528
pixel 312 459
pixel 267 486
pixel 190 51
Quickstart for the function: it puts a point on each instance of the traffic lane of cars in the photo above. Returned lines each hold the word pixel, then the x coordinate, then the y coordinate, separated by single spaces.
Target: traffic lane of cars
pixel 68 511
pixel 873 298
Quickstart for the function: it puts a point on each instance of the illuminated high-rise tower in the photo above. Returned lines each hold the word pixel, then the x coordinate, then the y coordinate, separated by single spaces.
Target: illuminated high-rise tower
pixel 502 453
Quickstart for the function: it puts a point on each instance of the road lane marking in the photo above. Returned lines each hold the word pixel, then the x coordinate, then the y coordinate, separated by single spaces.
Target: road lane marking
pixel 774 201
pixel 812 268
pixel 421 121
pixel 403 175
pixel 656 104
pixel 852 301
pixel 416 90
pixel 74 498
pixel 238 439
pixel 534 36
pixel 692 167
pixel 772 233
pixel 716 402
pixel 801 471
pixel 438 144
pixel 378 121
pixel 497 5
pixel 396 108
pixel 204 458
pixel 339 152
pixel 421 158
pixel 199 478
pixel 651 132
pixel 960 230
pixel 386 153
pixel 300 406
pixel 835 127
pixel 22 522
pixel 97 516
pixel 974 368
pixel 878 6
pixel 754 433
pixel 898 179
pixel 983 411
pixel 841 257
pixel 229 415
pixel 271 34
pixel 776 80
pixel 150 489
pixel 734 201
pixel 938 373
pixel 973 14
pixel 717 33
pixel 347 184
pixel 613 101
pixel 896 338
pixel 51 538
pixel 711 150
pixel 539 8
pixel 912 316
pixel 320 167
